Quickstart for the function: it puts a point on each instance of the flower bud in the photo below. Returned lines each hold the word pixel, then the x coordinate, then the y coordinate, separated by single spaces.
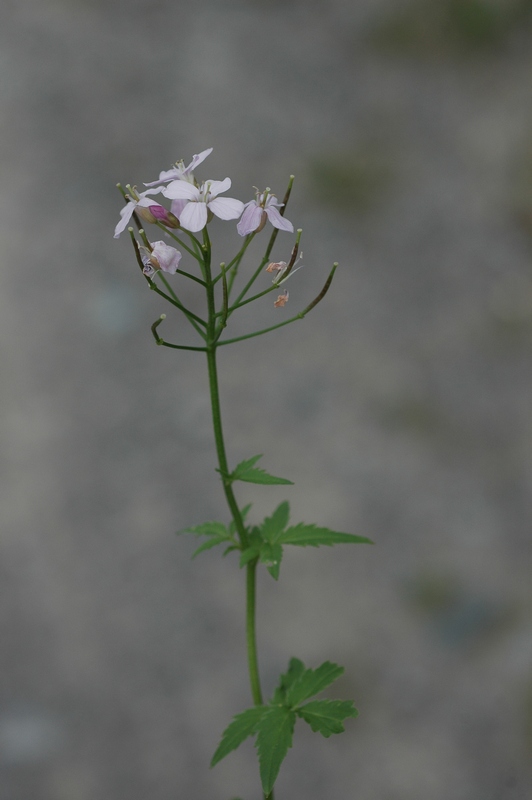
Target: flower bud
pixel 165 217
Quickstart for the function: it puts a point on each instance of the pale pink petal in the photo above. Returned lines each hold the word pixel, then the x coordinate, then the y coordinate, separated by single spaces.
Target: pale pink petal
pixel 181 190
pixel 217 187
pixel 226 207
pixel 194 217
pixel 277 220
pixel 167 257
pixel 250 219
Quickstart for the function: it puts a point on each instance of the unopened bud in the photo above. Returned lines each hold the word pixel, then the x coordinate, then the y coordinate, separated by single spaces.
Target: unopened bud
pixel 165 217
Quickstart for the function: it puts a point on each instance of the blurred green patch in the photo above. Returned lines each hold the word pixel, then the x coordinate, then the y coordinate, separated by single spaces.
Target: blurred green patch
pixel 458 616
pixel 522 186
pixel 423 28
pixel 354 180
pixel 433 593
pixel 509 321
pixel 420 417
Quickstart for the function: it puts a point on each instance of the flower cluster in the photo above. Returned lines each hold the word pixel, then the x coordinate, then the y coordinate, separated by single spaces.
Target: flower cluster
pixel 193 204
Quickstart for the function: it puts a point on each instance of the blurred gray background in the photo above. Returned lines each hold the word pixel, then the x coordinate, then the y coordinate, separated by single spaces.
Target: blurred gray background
pixel 401 407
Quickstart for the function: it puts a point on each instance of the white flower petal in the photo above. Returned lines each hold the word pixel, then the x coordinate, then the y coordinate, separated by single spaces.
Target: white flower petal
pixel 194 217
pixel 217 187
pixel 181 190
pixel 226 207
pixel 277 220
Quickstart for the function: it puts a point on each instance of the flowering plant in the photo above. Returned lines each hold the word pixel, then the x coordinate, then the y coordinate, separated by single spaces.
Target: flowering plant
pixel 193 206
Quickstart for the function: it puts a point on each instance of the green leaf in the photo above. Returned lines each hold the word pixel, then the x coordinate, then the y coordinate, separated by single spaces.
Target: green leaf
pixel 310 535
pixel 274 739
pixel 212 542
pixel 253 551
pixel 272 527
pixel 246 471
pixel 208 529
pixel 242 726
pixel 312 681
pixel 295 669
pixel 271 555
pixel 326 716
pixel 216 530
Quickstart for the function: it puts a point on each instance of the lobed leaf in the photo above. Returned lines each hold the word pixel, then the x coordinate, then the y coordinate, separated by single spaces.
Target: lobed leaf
pixel 312 681
pixel 310 535
pixel 326 716
pixel 242 726
pixel 274 738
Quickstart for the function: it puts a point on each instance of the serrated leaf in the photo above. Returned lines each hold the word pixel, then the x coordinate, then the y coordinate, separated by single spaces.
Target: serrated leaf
pixel 244 466
pixel 326 716
pixel 248 472
pixel 274 738
pixel 230 549
pixel 256 475
pixel 242 726
pixel 312 681
pixel 207 529
pixel 310 535
pixel 272 527
pixel 271 555
pixel 295 669
pixel 212 542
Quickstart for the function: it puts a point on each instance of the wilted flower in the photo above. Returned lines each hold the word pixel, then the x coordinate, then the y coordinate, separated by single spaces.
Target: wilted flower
pixel 276 267
pixel 258 211
pixel 141 204
pixel 199 200
pixel 161 257
pixel 282 300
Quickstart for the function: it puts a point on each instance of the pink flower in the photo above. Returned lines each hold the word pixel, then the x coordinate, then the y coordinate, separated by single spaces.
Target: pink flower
pixel 258 211
pixel 139 202
pixel 161 257
pixel 200 200
pixel 181 173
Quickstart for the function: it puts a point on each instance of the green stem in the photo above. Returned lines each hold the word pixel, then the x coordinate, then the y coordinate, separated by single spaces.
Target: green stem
pixel 251 638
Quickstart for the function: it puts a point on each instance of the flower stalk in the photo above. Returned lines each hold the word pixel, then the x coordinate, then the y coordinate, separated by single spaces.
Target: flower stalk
pixel 192 210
